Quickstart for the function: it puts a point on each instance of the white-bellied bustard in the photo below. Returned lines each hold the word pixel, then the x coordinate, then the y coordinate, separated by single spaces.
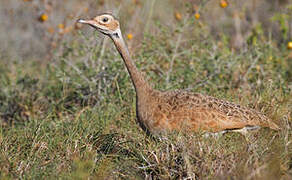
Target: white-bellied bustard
pixel 160 112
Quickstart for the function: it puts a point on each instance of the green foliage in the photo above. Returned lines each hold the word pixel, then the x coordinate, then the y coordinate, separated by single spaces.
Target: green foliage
pixel 283 19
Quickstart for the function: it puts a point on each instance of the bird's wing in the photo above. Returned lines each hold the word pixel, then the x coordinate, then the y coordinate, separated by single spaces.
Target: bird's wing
pixel 197 111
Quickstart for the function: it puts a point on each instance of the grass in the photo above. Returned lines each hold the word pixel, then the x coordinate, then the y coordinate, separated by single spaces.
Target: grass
pixel 74 117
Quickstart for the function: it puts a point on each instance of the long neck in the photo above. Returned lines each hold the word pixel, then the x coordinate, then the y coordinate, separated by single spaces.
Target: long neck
pixel 141 86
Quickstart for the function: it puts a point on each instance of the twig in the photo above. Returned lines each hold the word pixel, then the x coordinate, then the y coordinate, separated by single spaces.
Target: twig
pixel 178 42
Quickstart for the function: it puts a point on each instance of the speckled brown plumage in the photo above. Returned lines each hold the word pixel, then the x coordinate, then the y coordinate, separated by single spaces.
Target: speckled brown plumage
pixel 161 112
pixel 176 110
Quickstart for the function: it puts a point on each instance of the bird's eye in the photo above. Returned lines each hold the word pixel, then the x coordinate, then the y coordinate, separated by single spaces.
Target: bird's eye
pixel 105 19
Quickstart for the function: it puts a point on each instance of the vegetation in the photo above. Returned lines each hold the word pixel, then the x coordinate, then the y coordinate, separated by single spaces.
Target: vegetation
pixel 70 113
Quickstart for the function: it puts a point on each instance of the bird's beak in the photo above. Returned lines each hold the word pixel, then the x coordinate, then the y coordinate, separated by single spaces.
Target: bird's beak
pixel 89 22
pixel 85 21
pixel 81 21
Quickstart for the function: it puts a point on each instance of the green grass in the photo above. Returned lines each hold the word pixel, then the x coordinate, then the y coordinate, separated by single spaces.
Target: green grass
pixel 74 117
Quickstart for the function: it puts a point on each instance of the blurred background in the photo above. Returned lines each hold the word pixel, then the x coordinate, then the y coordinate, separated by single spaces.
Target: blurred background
pixel 35 29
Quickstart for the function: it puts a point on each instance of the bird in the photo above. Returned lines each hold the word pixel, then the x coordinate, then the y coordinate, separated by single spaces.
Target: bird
pixel 161 112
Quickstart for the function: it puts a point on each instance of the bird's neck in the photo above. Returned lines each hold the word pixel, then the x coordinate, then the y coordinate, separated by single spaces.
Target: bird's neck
pixel 141 86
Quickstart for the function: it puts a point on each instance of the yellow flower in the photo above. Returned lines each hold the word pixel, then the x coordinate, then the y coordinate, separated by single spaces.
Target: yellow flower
pixel 43 17
pixel 197 16
pixel 289 45
pixel 68 29
pixel 61 26
pixel 51 30
pixel 177 16
pixel 223 3
pixel 65 30
pixel 85 9
pixel 130 36
pixel 270 58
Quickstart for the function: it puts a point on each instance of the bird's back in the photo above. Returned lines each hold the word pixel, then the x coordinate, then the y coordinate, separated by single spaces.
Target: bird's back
pixel 177 110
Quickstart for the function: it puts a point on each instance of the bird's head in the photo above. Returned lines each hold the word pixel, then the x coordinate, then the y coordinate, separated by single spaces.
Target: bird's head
pixel 104 23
